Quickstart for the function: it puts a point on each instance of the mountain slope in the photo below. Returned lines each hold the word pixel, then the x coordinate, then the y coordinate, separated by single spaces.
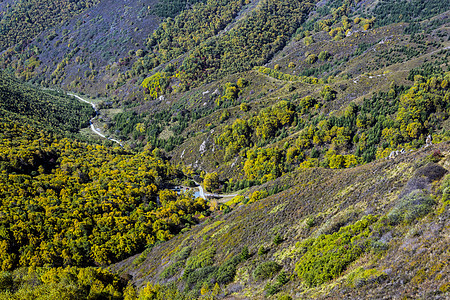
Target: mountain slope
pixel 401 251
pixel 318 129
pixel 78 50
pixel 23 20
pixel 48 109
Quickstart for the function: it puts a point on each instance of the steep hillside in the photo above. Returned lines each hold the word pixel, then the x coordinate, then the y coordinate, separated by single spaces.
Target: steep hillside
pixel 47 109
pixel 374 231
pixel 104 51
pixel 272 150
pixel 345 50
pixel 68 54
pixel 22 20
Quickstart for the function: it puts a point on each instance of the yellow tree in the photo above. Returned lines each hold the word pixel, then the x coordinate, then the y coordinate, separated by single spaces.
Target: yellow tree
pixel 211 181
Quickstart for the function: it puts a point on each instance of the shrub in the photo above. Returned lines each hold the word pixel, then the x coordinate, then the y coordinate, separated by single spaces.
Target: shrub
pixel 282 278
pixel 328 94
pixel 198 276
pixel 242 82
pixel 324 55
pixel 245 254
pixel 310 222
pixel 261 251
pixel 278 239
pixel 414 205
pixel 170 271
pixel 308 40
pixel 445 187
pixel 6 281
pixel 202 260
pixel 266 270
pixel 272 289
pixel 224 116
pixel 244 107
pixel 327 256
pixel 431 171
pixel 226 272
pixel 222 274
pixel 360 276
pixel 312 58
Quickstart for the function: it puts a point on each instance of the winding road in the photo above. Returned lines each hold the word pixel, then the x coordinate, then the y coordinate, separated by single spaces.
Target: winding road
pixel 97 132
pixel 94 130
pixel 205 196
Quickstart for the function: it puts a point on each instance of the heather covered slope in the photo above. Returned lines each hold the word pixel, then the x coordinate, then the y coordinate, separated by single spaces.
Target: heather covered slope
pixel 374 231
pixel 318 115
pixel 77 49
pixel 23 20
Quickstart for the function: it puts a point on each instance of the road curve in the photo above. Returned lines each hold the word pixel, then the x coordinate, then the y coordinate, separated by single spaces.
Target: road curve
pixel 204 196
pixel 94 130
pixel 201 191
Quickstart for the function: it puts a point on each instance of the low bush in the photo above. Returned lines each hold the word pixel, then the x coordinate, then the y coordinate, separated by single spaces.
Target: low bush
pixel 328 255
pixel 202 260
pixel 170 271
pixel 198 276
pixel 183 254
pixel 245 253
pixel 431 171
pixel 412 206
pixel 272 289
pixel 361 276
pixel 266 270
pixel 226 272
pixel 262 251
pixel 278 239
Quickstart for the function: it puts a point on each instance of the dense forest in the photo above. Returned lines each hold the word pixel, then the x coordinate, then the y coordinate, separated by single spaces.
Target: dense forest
pixel 70 203
pixel 51 109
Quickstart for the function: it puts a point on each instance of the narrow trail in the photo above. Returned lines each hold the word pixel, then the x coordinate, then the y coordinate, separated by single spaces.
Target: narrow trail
pixel 95 130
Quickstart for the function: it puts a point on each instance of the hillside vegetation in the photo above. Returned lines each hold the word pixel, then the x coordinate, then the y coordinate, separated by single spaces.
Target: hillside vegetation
pixel 49 109
pixel 335 234
pixel 22 21
pixel 318 129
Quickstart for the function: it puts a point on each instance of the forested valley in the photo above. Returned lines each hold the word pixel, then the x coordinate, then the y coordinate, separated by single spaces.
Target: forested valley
pixel 224 149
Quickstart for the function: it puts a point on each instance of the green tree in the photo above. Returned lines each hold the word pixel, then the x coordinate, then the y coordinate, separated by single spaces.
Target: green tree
pixel 245 254
pixel 328 94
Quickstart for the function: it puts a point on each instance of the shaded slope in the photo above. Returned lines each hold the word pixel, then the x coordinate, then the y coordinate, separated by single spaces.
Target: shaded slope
pixel 74 54
pixel 49 109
